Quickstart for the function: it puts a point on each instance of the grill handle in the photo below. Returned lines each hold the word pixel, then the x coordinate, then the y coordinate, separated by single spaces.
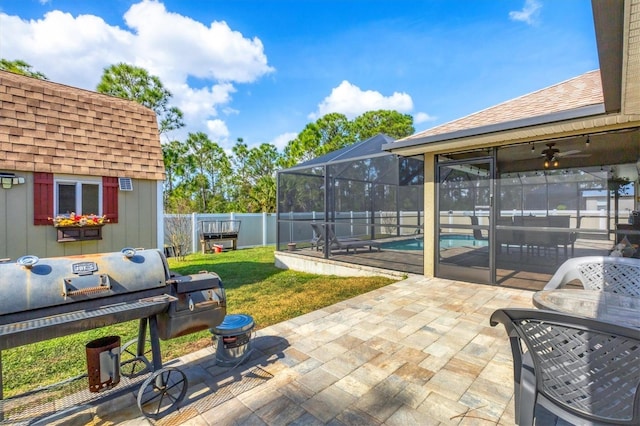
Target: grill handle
pixel 202 305
pixel 81 285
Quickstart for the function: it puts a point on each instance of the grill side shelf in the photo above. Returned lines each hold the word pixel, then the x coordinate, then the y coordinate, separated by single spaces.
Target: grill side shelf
pixel 44 328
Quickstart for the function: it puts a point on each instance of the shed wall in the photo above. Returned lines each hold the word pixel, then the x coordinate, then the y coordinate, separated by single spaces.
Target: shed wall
pixel 136 227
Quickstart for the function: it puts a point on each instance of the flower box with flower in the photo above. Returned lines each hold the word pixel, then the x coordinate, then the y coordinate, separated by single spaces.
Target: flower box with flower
pixel 75 227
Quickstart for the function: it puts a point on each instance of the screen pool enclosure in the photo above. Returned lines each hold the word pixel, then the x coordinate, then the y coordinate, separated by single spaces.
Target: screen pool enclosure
pixel 351 203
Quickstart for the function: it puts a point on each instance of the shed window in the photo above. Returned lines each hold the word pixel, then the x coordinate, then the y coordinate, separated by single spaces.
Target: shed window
pixel 78 197
pixel 68 195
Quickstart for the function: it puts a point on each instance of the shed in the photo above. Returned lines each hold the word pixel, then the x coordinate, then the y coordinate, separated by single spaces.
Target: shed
pixel 69 150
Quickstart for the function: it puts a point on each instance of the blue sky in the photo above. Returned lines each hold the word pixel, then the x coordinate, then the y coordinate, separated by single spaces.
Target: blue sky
pixel 262 69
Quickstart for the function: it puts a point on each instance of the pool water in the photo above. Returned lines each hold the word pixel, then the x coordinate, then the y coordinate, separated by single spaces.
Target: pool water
pixel 453 241
pixel 413 244
pixel 446 242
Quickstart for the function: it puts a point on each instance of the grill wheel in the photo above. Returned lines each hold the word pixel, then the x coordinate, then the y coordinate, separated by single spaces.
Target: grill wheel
pixel 133 365
pixel 161 392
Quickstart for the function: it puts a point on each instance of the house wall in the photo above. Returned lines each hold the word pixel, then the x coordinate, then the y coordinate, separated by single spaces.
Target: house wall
pixel 136 227
pixel 631 85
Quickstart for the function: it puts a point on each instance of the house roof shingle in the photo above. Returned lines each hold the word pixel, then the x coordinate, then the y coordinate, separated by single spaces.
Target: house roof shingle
pixel 581 91
pixel 50 127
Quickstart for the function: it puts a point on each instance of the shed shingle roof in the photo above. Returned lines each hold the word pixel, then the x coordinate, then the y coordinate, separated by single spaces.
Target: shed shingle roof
pixel 50 127
pixel 581 91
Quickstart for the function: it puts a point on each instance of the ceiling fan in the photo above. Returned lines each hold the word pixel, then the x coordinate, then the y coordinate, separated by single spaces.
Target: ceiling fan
pixel 552 154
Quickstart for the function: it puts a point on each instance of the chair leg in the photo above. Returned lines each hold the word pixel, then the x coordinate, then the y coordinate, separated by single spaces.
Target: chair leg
pixel 528 395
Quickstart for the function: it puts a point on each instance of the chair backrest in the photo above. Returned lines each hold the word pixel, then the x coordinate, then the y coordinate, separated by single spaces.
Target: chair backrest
pixel 587 368
pixel 477 233
pixel 317 232
pixel 504 235
pixel 333 239
pixel 534 236
pixel 561 222
pixel 603 273
pixel 558 221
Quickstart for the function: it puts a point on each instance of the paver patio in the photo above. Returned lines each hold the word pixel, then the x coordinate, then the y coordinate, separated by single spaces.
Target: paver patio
pixel 417 352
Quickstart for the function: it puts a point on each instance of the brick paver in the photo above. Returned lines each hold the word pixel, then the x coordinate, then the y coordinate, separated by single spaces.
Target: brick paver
pixel 419 351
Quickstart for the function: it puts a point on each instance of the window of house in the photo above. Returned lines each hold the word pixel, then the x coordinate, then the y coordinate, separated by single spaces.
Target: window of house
pixel 80 197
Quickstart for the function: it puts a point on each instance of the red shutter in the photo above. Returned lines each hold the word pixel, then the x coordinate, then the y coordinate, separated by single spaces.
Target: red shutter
pixel 110 198
pixel 42 198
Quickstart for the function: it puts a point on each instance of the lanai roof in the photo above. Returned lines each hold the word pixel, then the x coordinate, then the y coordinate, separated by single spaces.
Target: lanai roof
pixel 367 148
pixel 578 92
pixel 50 127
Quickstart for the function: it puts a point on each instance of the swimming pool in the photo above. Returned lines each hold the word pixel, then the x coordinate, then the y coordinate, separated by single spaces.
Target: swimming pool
pixel 412 244
pixel 446 242
pixel 453 241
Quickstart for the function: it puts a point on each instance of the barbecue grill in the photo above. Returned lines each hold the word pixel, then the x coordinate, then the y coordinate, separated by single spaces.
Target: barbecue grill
pixel 53 297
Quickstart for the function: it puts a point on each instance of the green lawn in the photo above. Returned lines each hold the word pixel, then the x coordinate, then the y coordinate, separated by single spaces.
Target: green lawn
pixel 254 286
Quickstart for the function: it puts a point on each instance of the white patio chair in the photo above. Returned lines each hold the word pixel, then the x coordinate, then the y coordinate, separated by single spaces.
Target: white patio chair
pixel 605 273
pixel 582 370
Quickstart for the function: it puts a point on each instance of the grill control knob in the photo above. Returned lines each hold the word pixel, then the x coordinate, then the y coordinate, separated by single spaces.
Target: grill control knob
pixel 27 261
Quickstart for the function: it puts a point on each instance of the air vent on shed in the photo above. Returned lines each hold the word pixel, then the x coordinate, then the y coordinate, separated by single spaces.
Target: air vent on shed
pixel 125 184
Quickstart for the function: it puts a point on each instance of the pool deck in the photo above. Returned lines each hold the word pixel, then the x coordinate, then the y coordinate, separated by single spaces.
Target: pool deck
pixel 514 268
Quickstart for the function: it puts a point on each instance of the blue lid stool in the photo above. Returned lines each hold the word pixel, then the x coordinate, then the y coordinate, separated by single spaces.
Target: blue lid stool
pixel 233 339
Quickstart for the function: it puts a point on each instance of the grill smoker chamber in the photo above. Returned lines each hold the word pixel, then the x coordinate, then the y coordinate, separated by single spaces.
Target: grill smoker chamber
pixel 53 297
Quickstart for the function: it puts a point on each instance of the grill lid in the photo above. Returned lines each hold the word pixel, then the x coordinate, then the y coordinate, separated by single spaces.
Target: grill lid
pixel 34 283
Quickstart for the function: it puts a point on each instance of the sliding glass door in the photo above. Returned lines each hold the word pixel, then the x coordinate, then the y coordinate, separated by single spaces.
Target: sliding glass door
pixel 464 217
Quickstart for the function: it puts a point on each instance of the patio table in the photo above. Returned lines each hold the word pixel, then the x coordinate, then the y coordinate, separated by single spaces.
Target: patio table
pixel 601 305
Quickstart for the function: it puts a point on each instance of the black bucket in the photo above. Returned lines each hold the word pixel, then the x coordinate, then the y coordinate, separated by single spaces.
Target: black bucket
pixel 103 363
pixel 233 339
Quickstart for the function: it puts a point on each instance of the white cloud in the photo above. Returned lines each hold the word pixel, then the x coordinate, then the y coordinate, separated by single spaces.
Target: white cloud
pixel 352 101
pixel 199 106
pixel 194 102
pixel 529 13
pixel 281 141
pixel 217 131
pixel 75 50
pixel 54 44
pixel 175 46
pixel 422 117
pixel 227 110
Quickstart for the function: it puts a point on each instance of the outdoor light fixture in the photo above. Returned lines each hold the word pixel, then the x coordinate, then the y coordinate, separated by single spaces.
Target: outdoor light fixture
pixel 550 156
pixel 7 180
pixel 587 142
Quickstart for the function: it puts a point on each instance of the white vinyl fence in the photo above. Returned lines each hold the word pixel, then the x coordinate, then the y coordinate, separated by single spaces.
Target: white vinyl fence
pixel 256 229
pixel 259 229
